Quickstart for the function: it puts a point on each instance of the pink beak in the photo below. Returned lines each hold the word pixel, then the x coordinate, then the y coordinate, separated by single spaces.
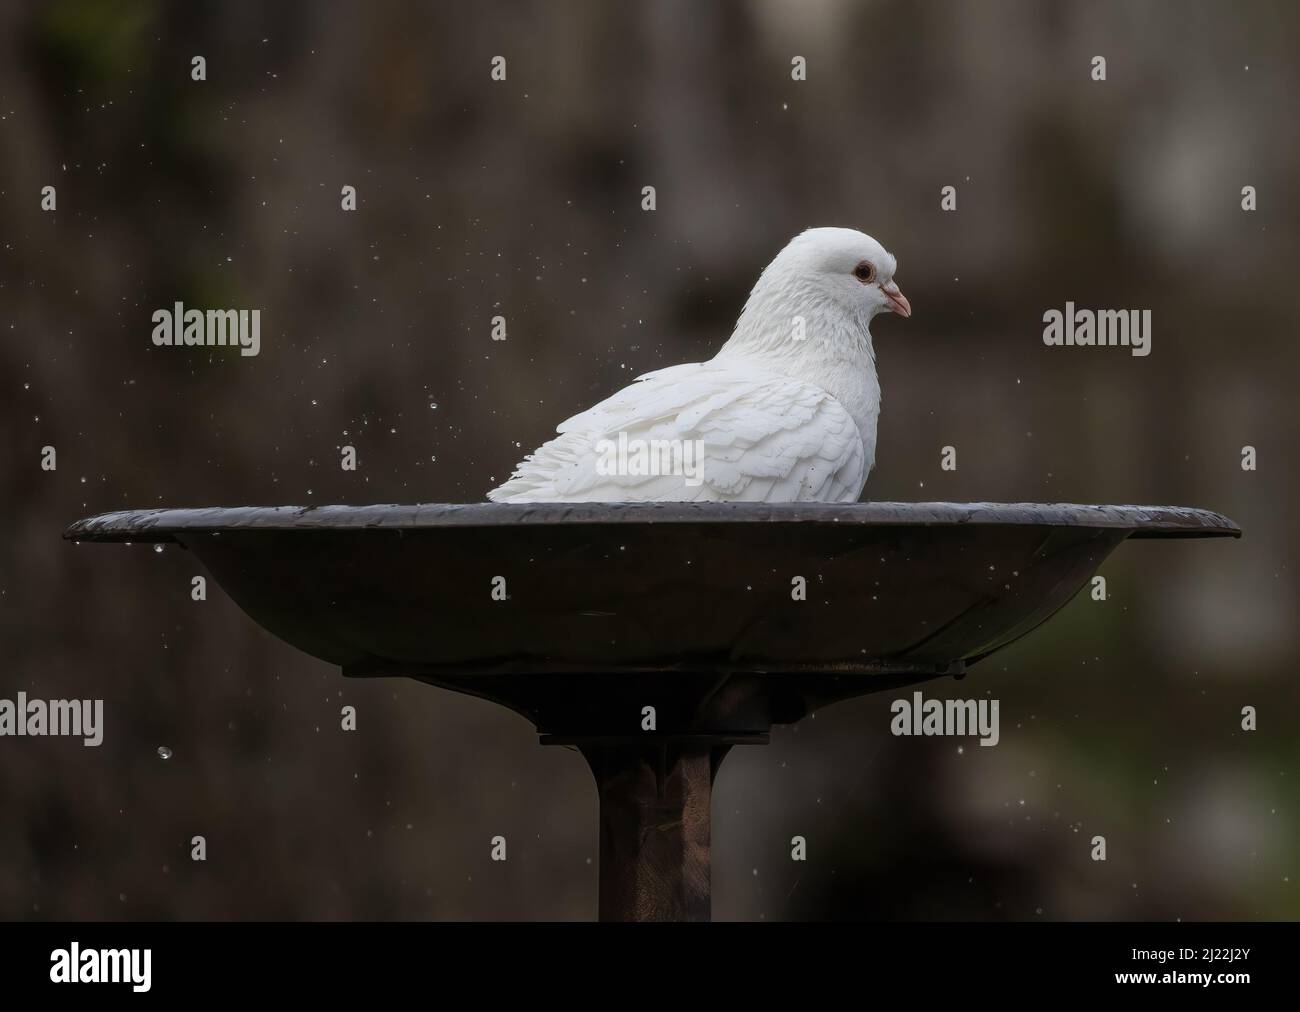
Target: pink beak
pixel 897 300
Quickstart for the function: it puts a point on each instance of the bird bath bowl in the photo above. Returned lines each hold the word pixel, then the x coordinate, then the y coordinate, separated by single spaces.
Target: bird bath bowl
pixel 580 616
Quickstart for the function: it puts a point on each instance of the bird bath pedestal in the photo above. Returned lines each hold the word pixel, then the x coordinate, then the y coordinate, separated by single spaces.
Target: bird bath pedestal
pixel 654 637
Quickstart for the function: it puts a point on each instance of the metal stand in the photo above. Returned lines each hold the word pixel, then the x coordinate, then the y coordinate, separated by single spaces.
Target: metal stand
pixel 656 787
pixel 655 812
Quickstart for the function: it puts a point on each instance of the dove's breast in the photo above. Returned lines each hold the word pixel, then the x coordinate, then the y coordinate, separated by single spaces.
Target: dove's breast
pixel 854 384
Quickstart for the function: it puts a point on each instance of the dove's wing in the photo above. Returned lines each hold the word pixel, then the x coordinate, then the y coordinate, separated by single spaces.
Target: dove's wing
pixel 759 436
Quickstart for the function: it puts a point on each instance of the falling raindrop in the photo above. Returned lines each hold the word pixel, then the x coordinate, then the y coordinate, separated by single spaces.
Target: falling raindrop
pixel 164 752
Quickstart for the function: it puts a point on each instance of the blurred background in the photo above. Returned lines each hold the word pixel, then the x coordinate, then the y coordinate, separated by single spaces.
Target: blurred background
pixel 523 198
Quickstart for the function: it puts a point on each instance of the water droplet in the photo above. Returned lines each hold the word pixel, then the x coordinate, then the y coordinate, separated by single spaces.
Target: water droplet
pixel 433 405
pixel 164 752
pixel 157 548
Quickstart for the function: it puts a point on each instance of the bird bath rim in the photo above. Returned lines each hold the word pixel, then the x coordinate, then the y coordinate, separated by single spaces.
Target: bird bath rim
pixel 161 525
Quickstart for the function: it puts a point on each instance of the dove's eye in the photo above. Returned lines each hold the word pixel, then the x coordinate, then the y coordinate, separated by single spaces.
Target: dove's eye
pixel 864 272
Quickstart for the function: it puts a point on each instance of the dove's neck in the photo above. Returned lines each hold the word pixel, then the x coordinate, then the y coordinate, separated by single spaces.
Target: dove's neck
pixel 807 337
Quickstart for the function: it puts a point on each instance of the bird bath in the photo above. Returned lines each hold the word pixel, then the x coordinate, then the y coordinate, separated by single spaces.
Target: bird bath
pixel 581 616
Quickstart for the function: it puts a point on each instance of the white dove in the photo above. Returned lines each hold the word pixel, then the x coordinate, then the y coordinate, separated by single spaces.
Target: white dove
pixel 785 412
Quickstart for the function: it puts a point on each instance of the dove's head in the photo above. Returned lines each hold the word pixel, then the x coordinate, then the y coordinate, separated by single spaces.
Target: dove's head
pixel 827 282
pixel 846 267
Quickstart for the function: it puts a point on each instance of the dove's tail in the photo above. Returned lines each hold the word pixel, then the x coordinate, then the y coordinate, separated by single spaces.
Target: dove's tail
pixel 537 478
